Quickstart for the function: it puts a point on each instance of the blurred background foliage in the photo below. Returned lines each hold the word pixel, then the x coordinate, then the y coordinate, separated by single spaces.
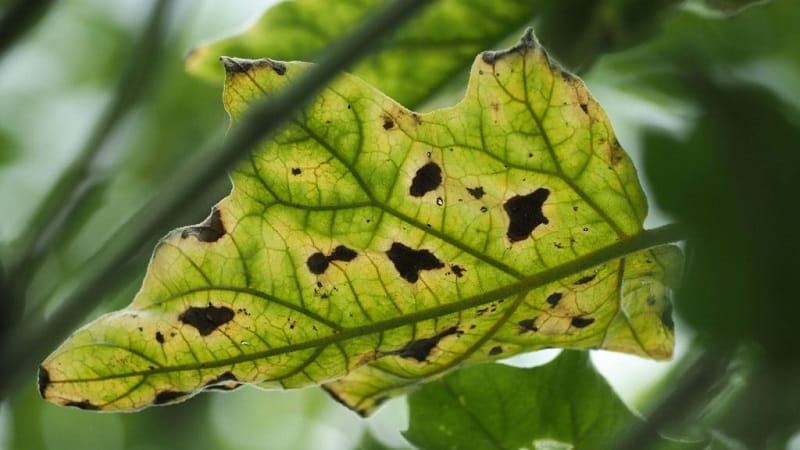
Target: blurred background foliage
pixel 705 94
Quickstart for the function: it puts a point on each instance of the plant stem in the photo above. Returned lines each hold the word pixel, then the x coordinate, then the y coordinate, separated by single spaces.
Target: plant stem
pixel 51 217
pixel 262 119
pixel 18 18
pixel 701 375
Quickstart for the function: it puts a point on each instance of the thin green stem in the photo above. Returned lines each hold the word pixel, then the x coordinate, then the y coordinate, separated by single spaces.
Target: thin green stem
pixel 262 119
pixel 18 18
pixel 51 217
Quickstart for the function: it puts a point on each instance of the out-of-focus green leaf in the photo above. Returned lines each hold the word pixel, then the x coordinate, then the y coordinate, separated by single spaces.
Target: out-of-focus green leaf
pixel 734 181
pixel 731 7
pixel 8 148
pixel 422 57
pixel 368 248
pixel 437 46
pixel 565 404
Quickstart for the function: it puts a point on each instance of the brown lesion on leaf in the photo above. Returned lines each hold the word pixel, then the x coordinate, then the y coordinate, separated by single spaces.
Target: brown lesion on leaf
pixel 210 230
pixel 554 298
pixel 244 65
pixel 225 382
pixel 615 153
pixel 43 380
pixel 318 263
pixel 165 397
pixel 296 171
pixel 585 279
pixel 421 349
pixel 496 350
pixel 388 122
pixel 528 325
pixel 427 178
pixel 527 41
pixel 409 262
pixel 477 192
pixel 581 321
pixel 525 214
pixel 83 404
pixel 159 337
pixel 206 319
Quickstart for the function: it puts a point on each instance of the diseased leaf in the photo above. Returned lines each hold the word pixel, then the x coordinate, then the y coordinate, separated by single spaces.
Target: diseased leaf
pixel 368 248
pixel 564 404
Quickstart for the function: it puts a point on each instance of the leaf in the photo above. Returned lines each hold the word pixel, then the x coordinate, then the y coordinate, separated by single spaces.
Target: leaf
pixel 368 248
pixel 426 54
pixel 564 404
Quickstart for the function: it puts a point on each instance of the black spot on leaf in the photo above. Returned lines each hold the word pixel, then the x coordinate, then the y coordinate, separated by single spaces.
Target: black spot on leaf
pixel 206 319
pixel 421 348
pixel 458 270
pixel 159 337
pixel 209 231
pixel 387 123
pixel 476 192
pixel 585 108
pixel 83 404
pixel 525 214
pixel 427 178
pixel 296 171
pixel 666 317
pixel 409 262
pixel 528 325
pixel 225 382
pixel 496 350
pixel 43 380
pixel 342 253
pixel 168 397
pixel 553 299
pixel 586 279
pixel 317 263
pixel 582 322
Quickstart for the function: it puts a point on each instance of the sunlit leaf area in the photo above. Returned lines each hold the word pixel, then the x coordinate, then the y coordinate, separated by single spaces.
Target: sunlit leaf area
pixel 427 224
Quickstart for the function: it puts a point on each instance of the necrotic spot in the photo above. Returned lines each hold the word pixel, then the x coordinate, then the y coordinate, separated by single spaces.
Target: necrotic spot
pixel 209 231
pixel 582 322
pixel 409 262
pixel 83 404
pixel 421 348
pixel 207 319
pixel 427 178
pixel 225 382
pixel 476 192
pixel 43 380
pixel 528 325
pixel 586 279
pixel 168 397
pixel 458 270
pixel 296 171
pixel 342 253
pixel 496 350
pixel 317 263
pixel 525 214
pixel 553 299
pixel 159 337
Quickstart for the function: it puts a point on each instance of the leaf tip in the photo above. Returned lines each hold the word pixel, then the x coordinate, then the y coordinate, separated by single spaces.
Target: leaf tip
pixel 242 65
pixel 527 41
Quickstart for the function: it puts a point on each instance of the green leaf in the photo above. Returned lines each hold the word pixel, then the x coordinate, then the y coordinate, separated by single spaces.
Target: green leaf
pixel 564 404
pixel 426 54
pixel 368 248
